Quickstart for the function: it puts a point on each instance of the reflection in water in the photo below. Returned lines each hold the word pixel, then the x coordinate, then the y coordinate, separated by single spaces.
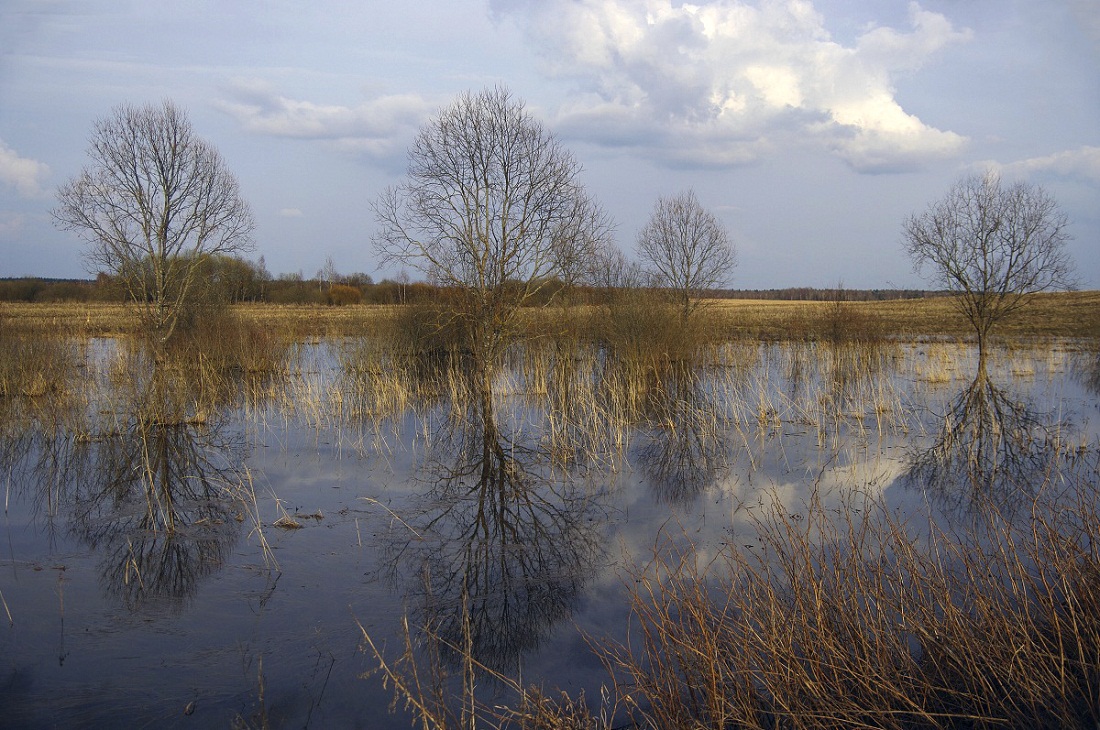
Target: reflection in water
pixel 993 450
pixel 1091 373
pixel 685 450
pixel 160 505
pixel 500 552
pixel 156 489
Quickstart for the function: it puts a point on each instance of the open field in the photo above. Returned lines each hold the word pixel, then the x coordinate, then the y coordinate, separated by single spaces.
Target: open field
pixel 1065 314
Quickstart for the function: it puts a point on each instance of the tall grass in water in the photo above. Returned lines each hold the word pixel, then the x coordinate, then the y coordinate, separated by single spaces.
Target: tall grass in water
pixel 413 359
pixel 35 364
pixel 853 363
pixel 219 359
pixel 859 623
pixel 567 377
pixel 849 616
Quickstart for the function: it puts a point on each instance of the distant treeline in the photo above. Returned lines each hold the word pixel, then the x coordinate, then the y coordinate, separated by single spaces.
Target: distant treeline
pixel 236 280
pixel 810 294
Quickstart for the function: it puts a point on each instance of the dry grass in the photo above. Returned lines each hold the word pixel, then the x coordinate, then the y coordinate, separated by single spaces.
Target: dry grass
pixel 299 322
pixel 866 621
pixel 849 617
pixel 35 365
pixel 1066 314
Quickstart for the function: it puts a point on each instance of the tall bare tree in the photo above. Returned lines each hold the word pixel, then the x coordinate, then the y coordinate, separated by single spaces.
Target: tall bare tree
pixel 686 249
pixel 492 207
pixel 152 205
pixel 992 244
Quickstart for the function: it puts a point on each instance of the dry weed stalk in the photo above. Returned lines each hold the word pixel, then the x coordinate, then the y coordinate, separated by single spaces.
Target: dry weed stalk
pixel 867 621
pixel 425 689
pixel 36 365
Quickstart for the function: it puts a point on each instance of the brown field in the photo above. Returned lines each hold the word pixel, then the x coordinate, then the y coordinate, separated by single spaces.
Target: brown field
pixel 1063 315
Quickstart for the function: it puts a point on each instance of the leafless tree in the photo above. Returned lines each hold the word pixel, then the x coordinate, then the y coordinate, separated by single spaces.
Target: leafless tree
pixel 493 208
pixel 994 245
pixel 685 249
pixel 152 205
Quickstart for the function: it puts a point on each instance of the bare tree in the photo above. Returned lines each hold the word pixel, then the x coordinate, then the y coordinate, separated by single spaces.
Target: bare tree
pixel 154 203
pixel 685 249
pixel 493 208
pixel 992 244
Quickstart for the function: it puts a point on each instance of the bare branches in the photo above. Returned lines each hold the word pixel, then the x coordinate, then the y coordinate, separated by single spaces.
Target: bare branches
pixel 491 206
pixel 686 248
pixel 993 244
pixel 153 203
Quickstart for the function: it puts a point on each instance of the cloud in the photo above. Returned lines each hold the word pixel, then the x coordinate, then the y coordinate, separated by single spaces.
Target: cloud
pixel 1082 163
pixel 377 128
pixel 726 81
pixel 290 213
pixel 25 175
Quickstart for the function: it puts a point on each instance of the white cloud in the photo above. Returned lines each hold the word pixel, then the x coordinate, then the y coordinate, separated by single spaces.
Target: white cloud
pixel 25 175
pixel 1082 163
pixel 378 127
pixel 726 80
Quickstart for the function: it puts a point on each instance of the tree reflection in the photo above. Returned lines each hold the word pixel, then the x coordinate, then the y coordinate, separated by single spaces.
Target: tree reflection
pixel 500 551
pixel 994 450
pixel 684 452
pixel 152 483
pixel 160 506
pixel 1090 374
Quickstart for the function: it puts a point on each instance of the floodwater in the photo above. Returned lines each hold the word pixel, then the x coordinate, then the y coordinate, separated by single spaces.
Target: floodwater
pixel 221 568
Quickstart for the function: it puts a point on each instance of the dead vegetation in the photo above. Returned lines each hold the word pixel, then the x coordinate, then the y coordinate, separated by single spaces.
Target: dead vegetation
pixel 1061 314
pixel 848 616
pixel 838 616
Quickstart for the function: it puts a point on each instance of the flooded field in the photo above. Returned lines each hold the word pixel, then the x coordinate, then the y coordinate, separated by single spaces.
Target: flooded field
pixel 183 553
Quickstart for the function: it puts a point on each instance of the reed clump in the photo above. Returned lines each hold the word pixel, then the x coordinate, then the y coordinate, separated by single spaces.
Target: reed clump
pixel 867 622
pixel 839 615
pixel 414 358
pixel 222 341
pixel 217 358
pixel 35 365
pixel 646 340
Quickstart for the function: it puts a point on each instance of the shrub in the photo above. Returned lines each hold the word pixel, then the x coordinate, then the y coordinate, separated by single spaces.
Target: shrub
pixel 340 295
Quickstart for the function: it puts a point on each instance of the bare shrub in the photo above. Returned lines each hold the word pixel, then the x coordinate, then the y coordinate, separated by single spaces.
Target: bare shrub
pixel 340 295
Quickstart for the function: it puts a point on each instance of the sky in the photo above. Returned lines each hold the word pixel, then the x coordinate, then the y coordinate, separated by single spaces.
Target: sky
pixel 810 129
